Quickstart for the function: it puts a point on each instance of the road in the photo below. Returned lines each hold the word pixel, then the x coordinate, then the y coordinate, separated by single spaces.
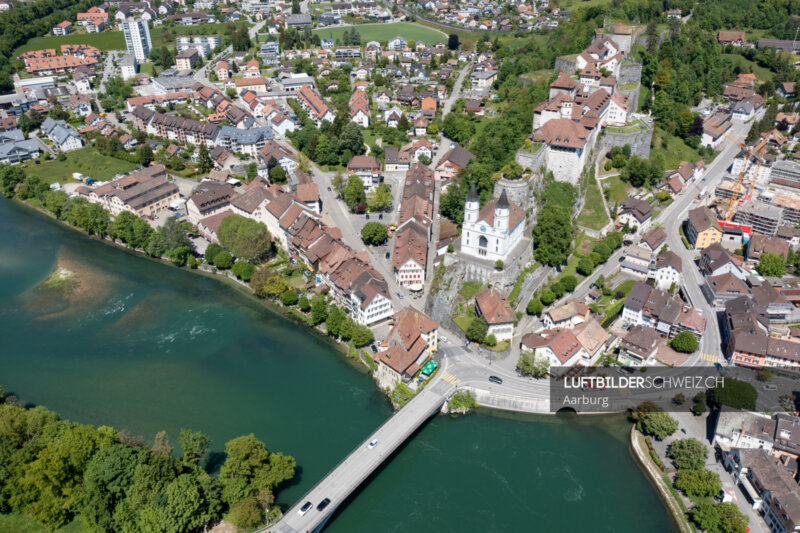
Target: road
pixel 672 218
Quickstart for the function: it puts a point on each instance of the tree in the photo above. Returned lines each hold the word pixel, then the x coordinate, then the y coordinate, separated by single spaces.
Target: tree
pixel 295 7
pixel 698 483
pixel 194 444
pixel 731 519
pixel 679 399
pixel 211 252
pixel 289 298
pixel 476 332
pixel 770 264
pixel 490 340
pixel 380 199
pixel 552 236
pixel 529 365
pixel 277 174
pixel 247 513
pixel 569 283
pixel 684 342
pixel 585 266
pixel 319 311
pixel 735 393
pixel 688 453
pixel 534 307
pixel 547 297
pixel 250 469
pixel 453 41
pixel 658 424
pixel 204 162
pixel 10 177
pixel 303 304
pixel 499 264
pixel 706 516
pixel 243 270
pixel 765 374
pixel 338 182
pixel 161 444
pixel 335 319
pixel 246 238
pixel 354 192
pixel 223 260
pixel 361 336
pixel 374 233
pixel 144 154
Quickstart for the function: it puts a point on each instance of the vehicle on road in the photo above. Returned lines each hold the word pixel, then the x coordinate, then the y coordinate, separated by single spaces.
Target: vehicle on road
pixel 388 255
pixel 444 339
pixel 770 387
pixel 323 504
pixel 374 349
pixel 400 295
pixel 495 379
pixel 304 509
pixel 372 443
pixel 329 188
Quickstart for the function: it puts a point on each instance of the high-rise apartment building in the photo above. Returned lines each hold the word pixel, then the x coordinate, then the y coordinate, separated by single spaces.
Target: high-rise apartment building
pixel 137 38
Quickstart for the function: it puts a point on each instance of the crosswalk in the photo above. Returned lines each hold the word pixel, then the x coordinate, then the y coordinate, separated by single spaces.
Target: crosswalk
pixel 451 379
pixel 711 357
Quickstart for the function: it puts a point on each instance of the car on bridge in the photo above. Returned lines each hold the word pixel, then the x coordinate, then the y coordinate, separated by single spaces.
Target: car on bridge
pixel 304 509
pixel 323 504
pixel 372 443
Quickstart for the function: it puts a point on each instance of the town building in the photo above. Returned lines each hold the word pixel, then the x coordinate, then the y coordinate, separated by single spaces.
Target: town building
pixel 144 192
pixel 412 340
pixel 493 231
pixel 14 148
pixel 128 67
pixel 64 137
pixel 498 314
pixel 137 38
pixel 639 346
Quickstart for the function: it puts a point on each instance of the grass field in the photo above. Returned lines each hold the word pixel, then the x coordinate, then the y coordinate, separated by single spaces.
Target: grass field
pixel 87 161
pixel 672 148
pixel 617 189
pixel 763 74
pixel 218 28
pixel 107 40
pixel 593 215
pixel 577 4
pixel 469 289
pixel 385 32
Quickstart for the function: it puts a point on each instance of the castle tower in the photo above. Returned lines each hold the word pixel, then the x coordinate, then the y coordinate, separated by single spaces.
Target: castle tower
pixel 501 212
pixel 472 206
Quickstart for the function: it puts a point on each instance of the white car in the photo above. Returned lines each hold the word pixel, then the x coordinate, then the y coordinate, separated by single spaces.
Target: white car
pixel 372 444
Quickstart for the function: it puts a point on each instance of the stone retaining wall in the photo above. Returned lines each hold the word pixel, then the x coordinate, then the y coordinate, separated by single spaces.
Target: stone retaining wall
pixel 639 141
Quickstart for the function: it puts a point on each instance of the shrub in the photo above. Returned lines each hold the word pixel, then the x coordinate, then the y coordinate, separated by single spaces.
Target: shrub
pixel 243 270
pixel 569 283
pixel 304 304
pixel 212 251
pixel 223 260
pixel 685 342
pixel 491 340
pixel 534 307
pixel 289 298
pixel 688 453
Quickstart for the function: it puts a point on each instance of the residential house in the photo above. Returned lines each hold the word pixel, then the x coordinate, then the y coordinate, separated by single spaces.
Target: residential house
pixel 64 137
pixel 412 339
pixel 653 240
pixel 187 59
pixel 568 315
pixel 314 105
pixel 636 262
pixel 452 162
pixel 490 305
pixel 62 28
pixel 639 346
pixel 366 167
pixel 635 213
pixel 722 288
pixel 209 198
pixel 743 429
pixel 560 347
pixel 15 148
pixel 145 192
pixel 702 228
pixel 668 271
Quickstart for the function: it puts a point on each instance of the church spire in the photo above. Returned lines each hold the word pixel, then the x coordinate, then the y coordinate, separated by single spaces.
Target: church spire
pixel 473 194
pixel 502 202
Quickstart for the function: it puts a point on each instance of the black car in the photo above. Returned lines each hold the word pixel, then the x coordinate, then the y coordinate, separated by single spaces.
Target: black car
pixel 374 349
pixel 495 379
pixel 323 504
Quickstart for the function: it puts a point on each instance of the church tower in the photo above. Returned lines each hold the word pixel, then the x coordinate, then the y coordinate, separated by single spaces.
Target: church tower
pixel 472 206
pixel 501 212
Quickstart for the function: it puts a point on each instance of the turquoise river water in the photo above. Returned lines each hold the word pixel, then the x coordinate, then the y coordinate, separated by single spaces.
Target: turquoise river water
pixel 145 347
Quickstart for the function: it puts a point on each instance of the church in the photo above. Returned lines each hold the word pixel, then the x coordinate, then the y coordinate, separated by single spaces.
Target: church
pixel 492 232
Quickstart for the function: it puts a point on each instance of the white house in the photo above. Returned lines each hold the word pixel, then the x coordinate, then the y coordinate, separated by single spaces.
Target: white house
pixel 64 136
pixel 668 271
pixel 497 313
pixel 568 315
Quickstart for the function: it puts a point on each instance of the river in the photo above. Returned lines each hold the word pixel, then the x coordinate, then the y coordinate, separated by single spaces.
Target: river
pixel 138 345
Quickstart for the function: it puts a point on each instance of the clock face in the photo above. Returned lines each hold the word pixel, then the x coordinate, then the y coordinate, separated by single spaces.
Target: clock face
pixel 483 228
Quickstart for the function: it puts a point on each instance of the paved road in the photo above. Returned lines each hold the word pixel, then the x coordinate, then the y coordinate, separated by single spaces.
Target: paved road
pixel 673 217
pixel 350 473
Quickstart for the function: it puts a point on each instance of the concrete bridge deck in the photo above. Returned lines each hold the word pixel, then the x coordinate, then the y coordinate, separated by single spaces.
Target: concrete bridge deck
pixel 357 467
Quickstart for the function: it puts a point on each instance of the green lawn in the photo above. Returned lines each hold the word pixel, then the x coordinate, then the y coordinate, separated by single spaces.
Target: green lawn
pixel 672 148
pixel 385 32
pixel 469 289
pixel 107 40
pixel 578 4
pixel 763 74
pixel 463 322
pixel 633 127
pixel 87 161
pixel 593 215
pixel 617 189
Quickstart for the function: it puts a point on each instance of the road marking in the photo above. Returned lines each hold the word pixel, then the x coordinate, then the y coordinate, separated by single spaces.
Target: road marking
pixel 711 357
pixel 450 378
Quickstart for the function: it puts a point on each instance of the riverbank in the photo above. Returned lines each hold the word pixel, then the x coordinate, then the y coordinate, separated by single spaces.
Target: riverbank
pixel 659 482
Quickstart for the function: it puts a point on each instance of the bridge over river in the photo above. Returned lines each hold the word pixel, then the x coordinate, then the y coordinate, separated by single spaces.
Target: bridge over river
pixel 356 467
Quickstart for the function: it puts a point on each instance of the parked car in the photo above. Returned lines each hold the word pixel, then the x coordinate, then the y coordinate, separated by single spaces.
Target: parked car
pixel 304 509
pixel 374 349
pixel 323 504
pixel 770 387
